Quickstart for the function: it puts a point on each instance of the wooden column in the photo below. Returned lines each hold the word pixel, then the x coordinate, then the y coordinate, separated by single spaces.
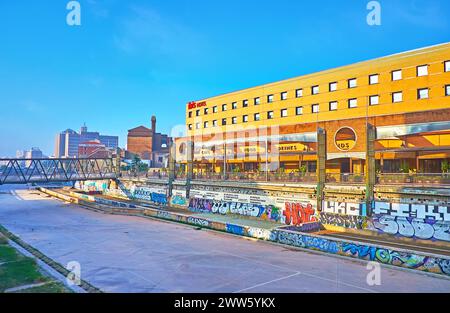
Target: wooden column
pixel 321 165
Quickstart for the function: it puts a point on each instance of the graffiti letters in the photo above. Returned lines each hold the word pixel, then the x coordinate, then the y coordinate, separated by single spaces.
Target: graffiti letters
pixel 343 208
pixel 422 211
pixel 412 227
pixel 298 213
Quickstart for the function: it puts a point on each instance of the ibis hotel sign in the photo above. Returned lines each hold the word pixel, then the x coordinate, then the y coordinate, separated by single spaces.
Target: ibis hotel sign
pixel 345 139
pixel 194 105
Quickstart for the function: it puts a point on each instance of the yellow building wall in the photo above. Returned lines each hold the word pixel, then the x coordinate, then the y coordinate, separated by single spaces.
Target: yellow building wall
pixel 436 80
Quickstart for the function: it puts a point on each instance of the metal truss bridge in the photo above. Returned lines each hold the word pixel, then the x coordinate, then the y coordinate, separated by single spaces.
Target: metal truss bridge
pixel 24 171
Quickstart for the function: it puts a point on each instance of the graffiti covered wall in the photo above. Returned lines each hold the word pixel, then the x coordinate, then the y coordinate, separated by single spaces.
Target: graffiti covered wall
pixel 153 194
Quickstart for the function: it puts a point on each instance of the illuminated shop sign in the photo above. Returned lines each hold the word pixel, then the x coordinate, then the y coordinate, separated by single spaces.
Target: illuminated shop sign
pixel 194 105
pixel 345 139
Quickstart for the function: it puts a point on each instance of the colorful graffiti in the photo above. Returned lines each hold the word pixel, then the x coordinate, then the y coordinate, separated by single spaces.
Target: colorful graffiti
pixel 246 209
pixel 347 221
pixel 178 200
pixel 366 252
pixel 271 213
pixel 412 227
pixel 308 242
pixel 298 213
pixel 422 211
pixel 149 195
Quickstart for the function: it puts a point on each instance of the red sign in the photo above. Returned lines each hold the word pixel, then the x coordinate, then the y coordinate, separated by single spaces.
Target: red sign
pixel 194 105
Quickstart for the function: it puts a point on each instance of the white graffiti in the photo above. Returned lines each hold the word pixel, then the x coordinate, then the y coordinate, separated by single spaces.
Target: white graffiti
pixel 417 227
pixel 236 208
pixel 342 208
pixel 259 233
pixel 423 211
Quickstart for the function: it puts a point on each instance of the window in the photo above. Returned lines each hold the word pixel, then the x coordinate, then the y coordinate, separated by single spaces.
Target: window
pixel 352 103
pixel 205 125
pixel 245 103
pixel 190 126
pixel 256 117
pixel 234 105
pixel 397 97
pixel 215 109
pixel 299 110
pixel 284 113
pixel 314 90
pixel 206 111
pixel 270 115
pixel 299 93
pixel 270 98
pixel 284 95
pixel 257 101
pixel 447 66
pixel 333 105
pixel 374 79
pixel 224 107
pixel 397 75
pixel 190 114
pixel 422 93
pixel 245 118
pixel 197 113
pixel 422 70
pixel 333 86
pixel 447 90
pixel 315 108
pixel 197 126
pixel 214 123
pixel 224 121
pixel 352 83
pixel 234 120
pixel 374 100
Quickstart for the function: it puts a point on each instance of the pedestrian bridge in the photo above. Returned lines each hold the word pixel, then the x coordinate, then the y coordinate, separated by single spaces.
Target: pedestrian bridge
pixel 48 170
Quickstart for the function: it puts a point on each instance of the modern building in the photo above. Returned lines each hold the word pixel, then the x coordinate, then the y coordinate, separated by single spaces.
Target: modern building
pixel 148 144
pixel 68 141
pixel 404 98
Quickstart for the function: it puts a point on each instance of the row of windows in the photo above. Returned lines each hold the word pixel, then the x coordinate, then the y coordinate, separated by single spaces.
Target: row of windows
pixel 422 93
pixel 396 75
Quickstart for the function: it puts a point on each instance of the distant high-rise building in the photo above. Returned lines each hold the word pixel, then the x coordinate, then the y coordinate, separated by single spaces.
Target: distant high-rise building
pixel 67 142
pixel 34 153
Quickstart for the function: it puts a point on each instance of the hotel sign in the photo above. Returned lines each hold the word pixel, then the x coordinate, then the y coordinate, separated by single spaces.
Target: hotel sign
pixel 194 105
pixel 345 139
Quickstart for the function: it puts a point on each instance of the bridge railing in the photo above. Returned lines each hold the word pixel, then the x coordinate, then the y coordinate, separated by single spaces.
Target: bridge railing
pixel 45 170
pixel 414 178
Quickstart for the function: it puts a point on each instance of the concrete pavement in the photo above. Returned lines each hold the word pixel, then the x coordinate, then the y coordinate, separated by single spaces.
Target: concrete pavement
pixel 132 254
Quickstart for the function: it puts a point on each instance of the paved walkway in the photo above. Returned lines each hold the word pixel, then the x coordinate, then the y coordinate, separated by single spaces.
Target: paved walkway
pixel 132 254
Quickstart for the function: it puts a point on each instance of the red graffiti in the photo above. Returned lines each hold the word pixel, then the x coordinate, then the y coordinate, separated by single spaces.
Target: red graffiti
pixel 297 214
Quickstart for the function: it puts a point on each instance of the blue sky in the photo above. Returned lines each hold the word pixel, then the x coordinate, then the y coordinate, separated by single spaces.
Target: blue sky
pixel 132 59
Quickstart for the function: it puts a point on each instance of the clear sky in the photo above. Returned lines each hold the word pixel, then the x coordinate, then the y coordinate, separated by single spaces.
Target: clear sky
pixel 132 59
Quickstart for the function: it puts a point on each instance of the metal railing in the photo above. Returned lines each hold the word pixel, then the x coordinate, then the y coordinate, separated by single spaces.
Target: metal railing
pixel 414 178
pixel 345 178
pixel 255 177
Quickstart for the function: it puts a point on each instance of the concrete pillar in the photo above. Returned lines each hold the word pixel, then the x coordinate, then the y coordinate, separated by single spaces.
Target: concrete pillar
pixel 172 160
pixel 190 166
pixel 371 171
pixel 321 165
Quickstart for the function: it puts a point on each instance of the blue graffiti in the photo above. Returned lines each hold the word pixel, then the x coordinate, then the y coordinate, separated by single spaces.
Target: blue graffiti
pixel 158 198
pixel 360 251
pixel 235 229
